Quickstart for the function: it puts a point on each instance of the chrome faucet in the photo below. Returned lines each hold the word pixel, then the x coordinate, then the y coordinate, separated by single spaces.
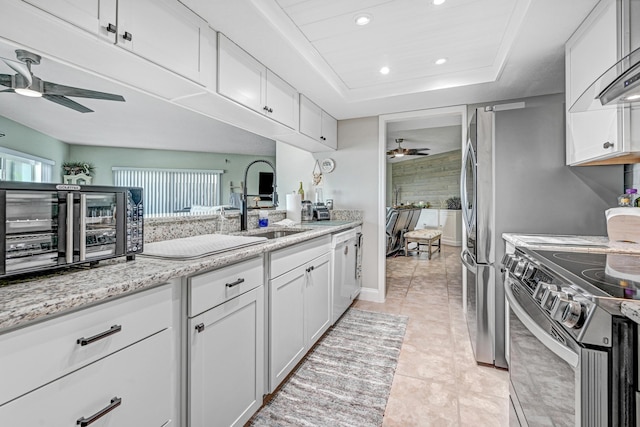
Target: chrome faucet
pixel 243 223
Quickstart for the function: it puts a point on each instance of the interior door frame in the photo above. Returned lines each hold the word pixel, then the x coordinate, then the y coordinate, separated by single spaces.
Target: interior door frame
pixel 460 110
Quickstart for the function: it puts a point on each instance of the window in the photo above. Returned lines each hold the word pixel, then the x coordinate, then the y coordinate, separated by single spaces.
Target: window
pixel 17 166
pixel 169 191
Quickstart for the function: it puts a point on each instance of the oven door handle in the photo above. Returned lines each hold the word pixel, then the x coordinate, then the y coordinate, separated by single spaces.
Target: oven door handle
pixel 562 351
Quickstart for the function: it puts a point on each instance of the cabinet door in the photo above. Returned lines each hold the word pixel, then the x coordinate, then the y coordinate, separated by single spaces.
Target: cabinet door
pixel 282 101
pixel 428 218
pixel 139 375
pixel 162 31
pixel 329 130
pixel 90 15
pixel 451 225
pixel 226 362
pixel 590 52
pixel 310 118
pixel 240 76
pixel 286 324
pixel 317 299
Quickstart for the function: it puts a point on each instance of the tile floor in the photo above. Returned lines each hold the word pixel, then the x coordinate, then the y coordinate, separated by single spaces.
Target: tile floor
pixel 437 381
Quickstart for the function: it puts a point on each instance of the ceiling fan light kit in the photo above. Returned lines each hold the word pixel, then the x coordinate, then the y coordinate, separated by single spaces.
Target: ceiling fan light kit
pixel 401 152
pixel 26 84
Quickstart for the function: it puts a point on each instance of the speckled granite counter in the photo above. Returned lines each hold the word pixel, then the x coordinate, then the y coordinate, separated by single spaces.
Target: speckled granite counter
pixel 599 244
pixel 39 298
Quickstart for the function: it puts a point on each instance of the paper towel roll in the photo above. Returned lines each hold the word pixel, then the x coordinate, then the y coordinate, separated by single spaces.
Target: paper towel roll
pixel 294 207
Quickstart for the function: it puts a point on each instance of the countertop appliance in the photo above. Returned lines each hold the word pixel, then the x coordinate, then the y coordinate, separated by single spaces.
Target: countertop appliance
pixel 568 339
pixel 321 212
pixel 514 179
pixel 307 210
pixel 346 265
pixel 48 226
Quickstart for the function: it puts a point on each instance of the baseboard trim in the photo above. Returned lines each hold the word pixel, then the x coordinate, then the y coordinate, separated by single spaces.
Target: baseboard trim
pixel 369 294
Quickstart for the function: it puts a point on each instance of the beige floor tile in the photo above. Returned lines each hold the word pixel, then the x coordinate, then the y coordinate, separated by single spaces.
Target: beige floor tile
pixel 437 380
pixel 416 402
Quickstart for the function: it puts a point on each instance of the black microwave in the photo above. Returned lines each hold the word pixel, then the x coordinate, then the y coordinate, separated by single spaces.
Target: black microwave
pixel 49 226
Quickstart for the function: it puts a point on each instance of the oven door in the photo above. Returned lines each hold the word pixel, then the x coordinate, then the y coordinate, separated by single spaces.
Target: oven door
pixel 553 381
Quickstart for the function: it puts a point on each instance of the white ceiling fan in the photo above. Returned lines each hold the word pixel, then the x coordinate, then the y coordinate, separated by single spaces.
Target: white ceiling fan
pixel 400 152
pixel 27 84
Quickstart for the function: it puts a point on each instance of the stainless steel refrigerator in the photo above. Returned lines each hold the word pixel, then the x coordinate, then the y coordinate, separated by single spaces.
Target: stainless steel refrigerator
pixel 514 179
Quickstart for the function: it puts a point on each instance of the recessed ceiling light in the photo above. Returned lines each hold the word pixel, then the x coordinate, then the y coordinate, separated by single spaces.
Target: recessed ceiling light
pixel 438 2
pixel 441 61
pixel 363 19
pixel 384 70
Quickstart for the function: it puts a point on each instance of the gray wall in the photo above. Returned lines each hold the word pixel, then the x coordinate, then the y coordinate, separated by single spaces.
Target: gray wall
pixel 431 179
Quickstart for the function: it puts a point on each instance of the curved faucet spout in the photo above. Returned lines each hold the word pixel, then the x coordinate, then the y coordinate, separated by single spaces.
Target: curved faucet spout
pixel 244 221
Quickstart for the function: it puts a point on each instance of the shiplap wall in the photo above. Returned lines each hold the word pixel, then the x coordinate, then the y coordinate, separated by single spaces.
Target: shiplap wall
pixel 430 179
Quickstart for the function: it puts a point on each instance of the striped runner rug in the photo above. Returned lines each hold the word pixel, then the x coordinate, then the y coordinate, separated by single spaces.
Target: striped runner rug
pixel 345 380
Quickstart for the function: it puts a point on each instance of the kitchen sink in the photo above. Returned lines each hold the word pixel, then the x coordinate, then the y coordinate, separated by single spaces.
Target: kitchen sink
pixel 274 234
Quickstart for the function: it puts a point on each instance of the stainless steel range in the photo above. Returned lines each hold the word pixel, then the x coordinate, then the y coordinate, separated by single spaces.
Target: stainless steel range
pixel 572 354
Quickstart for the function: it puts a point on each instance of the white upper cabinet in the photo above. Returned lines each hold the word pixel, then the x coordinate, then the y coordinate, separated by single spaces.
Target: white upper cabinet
pixel 162 31
pixel 318 124
pixel 600 134
pixel 245 80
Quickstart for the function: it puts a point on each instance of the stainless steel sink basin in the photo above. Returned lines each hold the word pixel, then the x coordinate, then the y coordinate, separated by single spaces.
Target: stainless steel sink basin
pixel 274 234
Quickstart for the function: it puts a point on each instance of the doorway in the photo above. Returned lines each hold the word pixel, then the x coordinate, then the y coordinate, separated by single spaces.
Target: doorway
pixel 422 134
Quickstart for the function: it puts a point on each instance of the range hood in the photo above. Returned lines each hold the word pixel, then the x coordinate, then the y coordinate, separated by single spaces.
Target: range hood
pixel 618 86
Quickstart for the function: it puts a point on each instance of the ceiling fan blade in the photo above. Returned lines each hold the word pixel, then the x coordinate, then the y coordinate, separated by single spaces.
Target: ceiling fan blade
pixel 20 68
pixel 66 102
pixel 61 90
pixel 5 80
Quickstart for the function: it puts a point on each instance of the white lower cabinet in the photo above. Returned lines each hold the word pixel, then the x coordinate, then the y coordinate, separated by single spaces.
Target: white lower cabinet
pixel 226 346
pixel 131 387
pixel 299 305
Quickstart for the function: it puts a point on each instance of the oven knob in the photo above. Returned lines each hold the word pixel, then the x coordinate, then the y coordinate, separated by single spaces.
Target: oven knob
pixel 558 304
pixel 573 314
pixel 543 287
pixel 520 266
pixel 529 271
pixel 550 292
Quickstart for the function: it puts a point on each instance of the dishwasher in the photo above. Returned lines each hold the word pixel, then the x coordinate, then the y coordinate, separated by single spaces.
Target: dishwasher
pixel 346 262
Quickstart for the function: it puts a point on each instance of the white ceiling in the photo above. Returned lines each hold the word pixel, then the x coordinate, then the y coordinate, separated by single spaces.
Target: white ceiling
pixel 496 50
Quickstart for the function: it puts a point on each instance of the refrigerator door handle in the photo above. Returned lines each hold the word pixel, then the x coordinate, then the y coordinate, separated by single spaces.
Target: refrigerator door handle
pixel 83 227
pixel 468 215
pixel 463 256
pixel 69 245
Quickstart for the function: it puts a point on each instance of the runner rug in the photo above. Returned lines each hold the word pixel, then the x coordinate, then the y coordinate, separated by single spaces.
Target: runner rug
pixel 345 380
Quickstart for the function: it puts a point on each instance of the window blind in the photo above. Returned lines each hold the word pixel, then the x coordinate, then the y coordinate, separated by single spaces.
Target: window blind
pixel 170 191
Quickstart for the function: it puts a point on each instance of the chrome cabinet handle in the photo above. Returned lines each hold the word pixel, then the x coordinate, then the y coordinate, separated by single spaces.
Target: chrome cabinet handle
pixel 236 283
pixel 112 330
pixel 111 28
pixel 310 269
pixel 84 422
pixel 200 327
pixel 265 108
pixel 127 36
pixel 323 138
pixel 607 145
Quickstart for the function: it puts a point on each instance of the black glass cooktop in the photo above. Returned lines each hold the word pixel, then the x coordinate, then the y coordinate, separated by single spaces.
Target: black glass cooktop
pixel 616 275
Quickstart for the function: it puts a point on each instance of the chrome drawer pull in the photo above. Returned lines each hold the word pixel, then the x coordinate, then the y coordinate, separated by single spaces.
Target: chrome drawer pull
pixel 115 402
pixel 200 327
pixel 236 283
pixel 310 269
pixel 114 329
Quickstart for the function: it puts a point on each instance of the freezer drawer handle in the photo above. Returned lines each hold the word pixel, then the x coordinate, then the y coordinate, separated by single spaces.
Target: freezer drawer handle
pixel 200 327
pixel 113 330
pixel 607 145
pixel 236 283
pixel 84 422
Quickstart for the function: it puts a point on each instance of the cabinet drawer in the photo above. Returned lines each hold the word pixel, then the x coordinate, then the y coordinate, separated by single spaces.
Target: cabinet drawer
pixel 289 258
pixel 211 289
pixel 139 375
pixel 40 353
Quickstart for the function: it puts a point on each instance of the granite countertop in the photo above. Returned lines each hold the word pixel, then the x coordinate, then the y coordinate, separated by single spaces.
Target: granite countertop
pixel 566 243
pixel 631 309
pixel 24 301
